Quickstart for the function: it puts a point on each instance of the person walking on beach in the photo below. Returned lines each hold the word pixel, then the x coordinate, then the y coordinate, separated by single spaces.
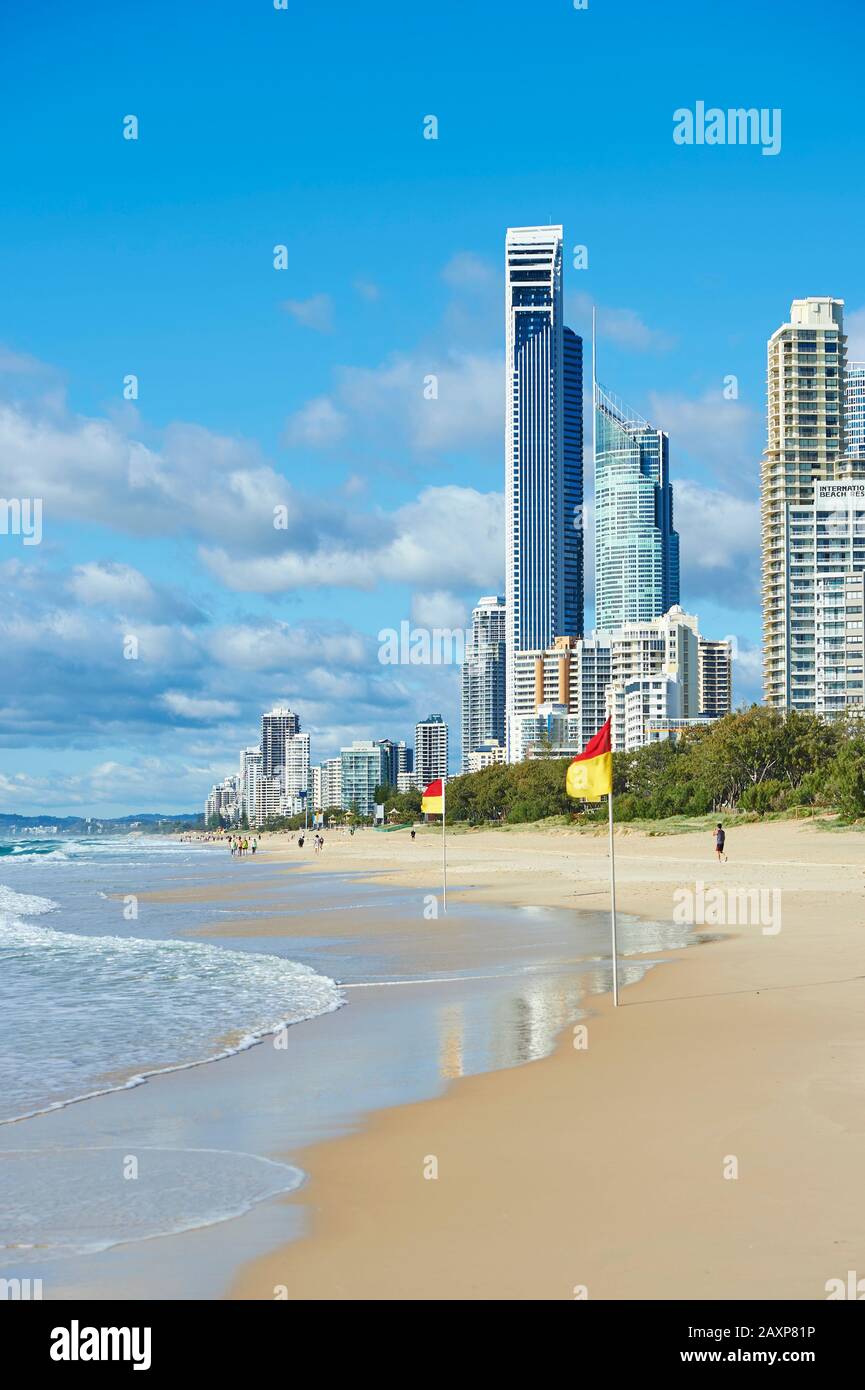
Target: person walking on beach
pixel 720 841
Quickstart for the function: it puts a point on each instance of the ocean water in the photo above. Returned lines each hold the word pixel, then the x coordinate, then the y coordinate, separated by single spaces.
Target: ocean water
pixel 89 1004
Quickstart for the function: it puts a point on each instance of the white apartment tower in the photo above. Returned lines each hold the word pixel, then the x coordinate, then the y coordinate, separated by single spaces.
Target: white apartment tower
pixel 805 446
pixel 331 783
pixel 250 775
pixel 661 673
pixel 825 558
pixel 854 410
pixel 430 750
pixel 296 775
pixel 483 678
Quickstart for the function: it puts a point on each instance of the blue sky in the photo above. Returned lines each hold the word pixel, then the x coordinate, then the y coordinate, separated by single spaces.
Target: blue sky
pixel 304 387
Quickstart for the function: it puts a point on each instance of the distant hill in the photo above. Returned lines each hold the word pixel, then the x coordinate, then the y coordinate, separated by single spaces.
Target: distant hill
pixel 163 824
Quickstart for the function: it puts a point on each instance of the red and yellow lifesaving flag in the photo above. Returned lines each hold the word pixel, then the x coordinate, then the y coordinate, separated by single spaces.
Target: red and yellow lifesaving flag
pixel 431 798
pixel 590 775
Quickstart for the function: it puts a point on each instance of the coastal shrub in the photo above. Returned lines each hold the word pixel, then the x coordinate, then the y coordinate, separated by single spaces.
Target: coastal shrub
pixel 763 796
pixel 631 807
pixel 847 778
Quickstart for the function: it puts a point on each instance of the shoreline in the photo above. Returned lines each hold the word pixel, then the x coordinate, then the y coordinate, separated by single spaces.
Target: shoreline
pixel 386 1049
pixel 733 1060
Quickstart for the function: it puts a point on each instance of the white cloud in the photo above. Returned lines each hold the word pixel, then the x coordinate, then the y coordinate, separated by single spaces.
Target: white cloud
pixel 438 608
pixel 724 434
pixel 624 327
pixel 720 543
pixel 367 289
pixel 449 537
pixel 318 424
pixel 467 271
pixel 119 585
pixel 448 400
pixel 315 312
pixel 191 707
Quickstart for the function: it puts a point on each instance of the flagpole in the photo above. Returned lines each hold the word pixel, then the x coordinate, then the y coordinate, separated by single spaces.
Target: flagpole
pixel 444 853
pixel 613 906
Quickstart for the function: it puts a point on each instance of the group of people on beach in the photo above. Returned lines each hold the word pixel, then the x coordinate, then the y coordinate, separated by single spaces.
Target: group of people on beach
pixel 238 844
pixel 317 842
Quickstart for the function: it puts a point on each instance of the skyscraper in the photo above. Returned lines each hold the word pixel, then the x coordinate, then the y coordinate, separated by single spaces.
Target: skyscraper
pixel 825 560
pixel 805 446
pixel 636 547
pixel 277 725
pixel 543 449
pixel 398 759
pixel 296 776
pixel 484 677
pixel 854 410
pixel 716 677
pixel 430 749
pixel 250 775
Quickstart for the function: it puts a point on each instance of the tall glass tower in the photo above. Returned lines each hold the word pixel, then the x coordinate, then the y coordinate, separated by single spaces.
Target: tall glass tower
pixel 636 547
pixel 543 449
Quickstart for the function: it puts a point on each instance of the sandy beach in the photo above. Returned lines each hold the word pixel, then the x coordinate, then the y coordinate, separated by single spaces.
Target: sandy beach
pixel 703 1141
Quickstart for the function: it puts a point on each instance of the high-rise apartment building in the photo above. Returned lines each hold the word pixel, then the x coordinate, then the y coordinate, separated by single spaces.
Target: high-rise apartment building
pixel 543 449
pixel 331 783
pixel 277 725
pixel 398 759
pixel 854 410
pixel 296 775
pixel 551 732
pixel 315 788
pixel 824 560
pixel 250 773
pixel 222 806
pixel 572 674
pixel 805 446
pixel 363 769
pixel 716 677
pixel 661 671
pixel 484 677
pixel 838 668
pixel 636 545
pixel 430 750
